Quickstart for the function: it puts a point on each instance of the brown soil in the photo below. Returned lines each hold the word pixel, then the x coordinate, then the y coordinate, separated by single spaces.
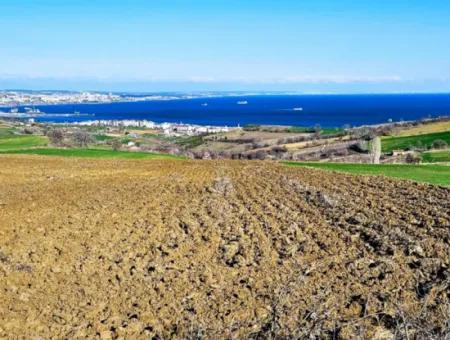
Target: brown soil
pixel 189 249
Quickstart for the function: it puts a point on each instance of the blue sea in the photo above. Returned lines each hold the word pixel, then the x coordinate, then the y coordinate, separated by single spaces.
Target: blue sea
pixel 295 110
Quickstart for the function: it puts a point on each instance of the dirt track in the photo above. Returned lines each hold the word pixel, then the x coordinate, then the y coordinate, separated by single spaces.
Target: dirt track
pixel 174 249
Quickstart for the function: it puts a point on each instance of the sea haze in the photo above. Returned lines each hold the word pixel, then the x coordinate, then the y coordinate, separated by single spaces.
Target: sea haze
pixel 297 110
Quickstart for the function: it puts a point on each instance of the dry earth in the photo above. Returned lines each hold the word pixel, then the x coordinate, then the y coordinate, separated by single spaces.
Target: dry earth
pixel 217 249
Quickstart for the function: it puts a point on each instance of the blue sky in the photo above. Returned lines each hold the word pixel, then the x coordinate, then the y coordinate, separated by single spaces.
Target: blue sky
pixel 286 45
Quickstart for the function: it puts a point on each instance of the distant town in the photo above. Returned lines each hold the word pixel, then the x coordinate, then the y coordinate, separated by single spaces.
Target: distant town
pixel 10 98
pixel 168 129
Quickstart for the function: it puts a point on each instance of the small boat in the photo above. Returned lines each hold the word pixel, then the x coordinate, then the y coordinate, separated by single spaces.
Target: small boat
pixel 242 102
pixel 205 104
pixel 298 108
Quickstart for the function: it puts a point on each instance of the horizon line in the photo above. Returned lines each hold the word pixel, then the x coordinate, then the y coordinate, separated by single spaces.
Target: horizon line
pixel 237 92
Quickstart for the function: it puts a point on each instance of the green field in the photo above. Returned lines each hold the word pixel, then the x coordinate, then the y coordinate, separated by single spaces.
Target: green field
pixel 293 129
pixel 103 138
pixel 36 145
pixel 405 142
pixel 15 142
pixel 433 174
pixel 95 153
pixel 436 156
pixel 323 131
pixel 6 131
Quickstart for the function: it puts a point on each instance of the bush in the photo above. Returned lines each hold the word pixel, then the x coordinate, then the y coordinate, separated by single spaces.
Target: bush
pixel 362 146
pixel 412 158
pixel 317 131
pixel 28 131
pixel 56 136
pixel 419 146
pixel 439 144
pixel 261 154
pixel 81 138
pixel 116 145
pixel 277 149
pixel 235 156
pixel 364 132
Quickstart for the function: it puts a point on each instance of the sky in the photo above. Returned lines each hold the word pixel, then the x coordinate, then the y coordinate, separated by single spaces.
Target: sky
pixel 188 45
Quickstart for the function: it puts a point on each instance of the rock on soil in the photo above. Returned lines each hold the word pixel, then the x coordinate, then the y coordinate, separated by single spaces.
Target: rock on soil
pixel 218 249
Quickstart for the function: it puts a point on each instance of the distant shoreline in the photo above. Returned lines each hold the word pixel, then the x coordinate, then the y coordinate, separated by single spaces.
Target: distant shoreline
pixel 287 110
pixel 130 97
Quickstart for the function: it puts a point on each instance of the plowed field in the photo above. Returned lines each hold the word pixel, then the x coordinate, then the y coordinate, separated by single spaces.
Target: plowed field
pixel 215 249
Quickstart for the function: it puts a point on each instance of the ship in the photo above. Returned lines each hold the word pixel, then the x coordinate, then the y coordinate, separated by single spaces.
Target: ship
pixel 298 108
pixel 242 102
pixel 30 110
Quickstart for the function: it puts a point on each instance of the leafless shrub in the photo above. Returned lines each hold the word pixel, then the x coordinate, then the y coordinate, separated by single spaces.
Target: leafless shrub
pixel 81 138
pixel 261 154
pixel 56 136
pixel 294 139
pixel 236 156
pixel 278 149
pixel 412 158
pixel 213 154
pixel 317 131
pixel 116 145
pixel 29 131
pixel 365 133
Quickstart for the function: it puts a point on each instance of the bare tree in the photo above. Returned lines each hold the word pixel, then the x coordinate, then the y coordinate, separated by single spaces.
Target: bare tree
pixel 81 138
pixel 364 132
pixel 317 131
pixel 412 158
pixel 261 154
pixel 116 144
pixel 56 136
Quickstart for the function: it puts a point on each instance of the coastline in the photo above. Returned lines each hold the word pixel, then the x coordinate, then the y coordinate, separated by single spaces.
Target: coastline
pixel 287 110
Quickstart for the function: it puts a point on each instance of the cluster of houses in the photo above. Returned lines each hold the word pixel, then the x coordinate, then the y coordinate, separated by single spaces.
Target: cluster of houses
pixel 191 130
pixel 168 129
pixel 120 123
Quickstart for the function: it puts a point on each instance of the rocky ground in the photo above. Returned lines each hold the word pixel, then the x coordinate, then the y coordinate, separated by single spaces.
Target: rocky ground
pixel 218 249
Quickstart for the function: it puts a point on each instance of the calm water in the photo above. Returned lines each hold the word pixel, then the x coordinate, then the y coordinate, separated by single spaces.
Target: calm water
pixel 326 110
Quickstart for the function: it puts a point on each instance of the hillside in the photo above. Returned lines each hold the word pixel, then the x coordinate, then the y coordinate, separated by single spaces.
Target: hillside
pixel 405 142
pixel 218 249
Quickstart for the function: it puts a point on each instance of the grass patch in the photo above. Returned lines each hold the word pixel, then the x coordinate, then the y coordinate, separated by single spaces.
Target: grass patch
pixel 332 131
pixel 433 174
pixel 406 142
pixel 323 131
pixel 93 153
pixel 185 141
pixel 103 138
pixel 190 142
pixel 292 129
pixel 17 142
pixel 6 131
pixel 436 156
pixel 89 128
